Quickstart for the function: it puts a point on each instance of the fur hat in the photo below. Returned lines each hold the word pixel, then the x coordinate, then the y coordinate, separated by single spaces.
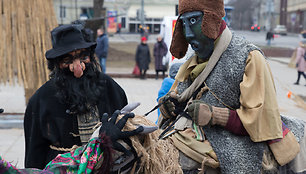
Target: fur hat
pixel 213 12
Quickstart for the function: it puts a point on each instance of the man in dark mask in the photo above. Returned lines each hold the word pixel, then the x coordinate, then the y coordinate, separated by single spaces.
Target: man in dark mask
pixel 223 104
pixel 64 112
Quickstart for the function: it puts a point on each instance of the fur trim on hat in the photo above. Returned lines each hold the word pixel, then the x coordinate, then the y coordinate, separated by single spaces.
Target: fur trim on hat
pixel 211 24
pixel 179 44
pixel 213 12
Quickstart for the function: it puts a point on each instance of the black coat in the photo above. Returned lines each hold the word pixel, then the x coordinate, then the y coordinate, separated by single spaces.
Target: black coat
pixel 143 57
pixel 160 50
pixel 47 123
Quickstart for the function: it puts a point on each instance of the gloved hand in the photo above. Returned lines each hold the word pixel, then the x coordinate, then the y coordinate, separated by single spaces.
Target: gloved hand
pixel 168 107
pixel 203 114
pixel 113 130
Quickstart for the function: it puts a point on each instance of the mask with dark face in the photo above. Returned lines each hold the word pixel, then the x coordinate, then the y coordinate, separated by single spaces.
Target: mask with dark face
pixel 80 94
pixel 201 44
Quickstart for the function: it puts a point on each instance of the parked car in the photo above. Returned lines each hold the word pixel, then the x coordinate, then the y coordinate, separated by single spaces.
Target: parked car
pixel 255 27
pixel 280 29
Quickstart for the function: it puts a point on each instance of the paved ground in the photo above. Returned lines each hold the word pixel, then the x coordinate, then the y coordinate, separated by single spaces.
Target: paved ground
pixel 145 92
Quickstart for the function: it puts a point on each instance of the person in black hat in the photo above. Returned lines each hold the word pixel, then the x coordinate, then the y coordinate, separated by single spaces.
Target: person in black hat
pixel 63 112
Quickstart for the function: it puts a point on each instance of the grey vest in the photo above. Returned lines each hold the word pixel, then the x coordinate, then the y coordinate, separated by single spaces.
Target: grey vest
pixel 236 154
pixel 224 81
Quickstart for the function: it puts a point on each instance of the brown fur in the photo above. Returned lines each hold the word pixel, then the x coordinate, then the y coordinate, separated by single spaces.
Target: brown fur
pixel 213 12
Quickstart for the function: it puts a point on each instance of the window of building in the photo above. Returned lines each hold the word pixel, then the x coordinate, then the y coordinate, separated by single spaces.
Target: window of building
pixel 62 11
pixel 157 19
pixel 156 28
pixel 123 22
pixel 132 28
pixel 132 19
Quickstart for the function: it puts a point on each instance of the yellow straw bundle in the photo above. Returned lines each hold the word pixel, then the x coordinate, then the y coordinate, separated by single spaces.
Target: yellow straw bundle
pixel 25 36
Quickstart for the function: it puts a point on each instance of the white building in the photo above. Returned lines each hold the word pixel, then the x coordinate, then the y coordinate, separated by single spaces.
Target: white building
pixel 123 12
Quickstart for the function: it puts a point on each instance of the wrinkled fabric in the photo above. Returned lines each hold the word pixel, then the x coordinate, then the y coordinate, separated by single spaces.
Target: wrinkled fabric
pixel 160 50
pixel 143 57
pixel 259 109
pixel 82 160
pixel 300 61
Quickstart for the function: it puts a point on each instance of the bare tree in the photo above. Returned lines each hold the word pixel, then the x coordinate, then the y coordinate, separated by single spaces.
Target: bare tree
pixel 98 8
pixel 243 13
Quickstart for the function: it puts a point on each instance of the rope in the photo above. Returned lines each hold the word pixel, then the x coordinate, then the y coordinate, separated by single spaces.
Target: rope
pixel 64 149
pixel 218 97
pixel 74 135
pixel 97 125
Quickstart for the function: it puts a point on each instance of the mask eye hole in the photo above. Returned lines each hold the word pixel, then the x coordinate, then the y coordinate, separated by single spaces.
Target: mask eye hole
pixel 192 20
pixel 67 60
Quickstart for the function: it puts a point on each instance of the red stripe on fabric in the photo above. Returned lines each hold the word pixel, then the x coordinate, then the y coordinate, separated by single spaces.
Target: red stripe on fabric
pixel 235 125
pixel 222 27
pixel 285 132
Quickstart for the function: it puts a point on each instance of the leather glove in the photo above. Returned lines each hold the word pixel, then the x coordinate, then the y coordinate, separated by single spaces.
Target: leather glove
pixel 168 108
pixel 203 114
pixel 113 130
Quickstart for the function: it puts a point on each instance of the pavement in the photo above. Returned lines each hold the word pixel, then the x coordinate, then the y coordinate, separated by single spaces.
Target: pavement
pixel 137 90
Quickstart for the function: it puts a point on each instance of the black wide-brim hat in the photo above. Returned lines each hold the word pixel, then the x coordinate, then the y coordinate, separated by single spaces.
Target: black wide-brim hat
pixel 67 38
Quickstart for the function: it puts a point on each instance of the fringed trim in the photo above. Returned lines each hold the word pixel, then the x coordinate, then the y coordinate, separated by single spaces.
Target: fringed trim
pixel 269 164
pixel 106 146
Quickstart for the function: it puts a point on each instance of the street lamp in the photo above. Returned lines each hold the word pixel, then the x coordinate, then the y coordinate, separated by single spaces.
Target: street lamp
pixel 142 14
pixel 61 11
pixel 76 10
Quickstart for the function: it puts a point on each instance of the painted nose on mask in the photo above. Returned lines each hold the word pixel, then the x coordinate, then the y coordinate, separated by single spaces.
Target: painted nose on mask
pixel 77 67
pixel 188 32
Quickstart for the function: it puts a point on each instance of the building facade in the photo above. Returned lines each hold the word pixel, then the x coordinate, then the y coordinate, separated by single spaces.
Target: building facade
pixel 123 14
pixel 266 13
pixel 291 13
pixel 70 10
pixel 296 15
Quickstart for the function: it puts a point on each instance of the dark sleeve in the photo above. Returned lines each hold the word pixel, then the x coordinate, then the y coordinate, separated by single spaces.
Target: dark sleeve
pixel 105 46
pixel 149 55
pixel 137 54
pixel 155 50
pixel 116 96
pixel 36 147
pixel 165 49
pixel 235 125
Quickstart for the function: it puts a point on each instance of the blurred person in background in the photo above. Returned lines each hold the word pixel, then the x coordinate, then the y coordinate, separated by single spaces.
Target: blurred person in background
pixel 102 47
pixel 143 57
pixel 160 50
pixel 269 37
pixel 301 61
